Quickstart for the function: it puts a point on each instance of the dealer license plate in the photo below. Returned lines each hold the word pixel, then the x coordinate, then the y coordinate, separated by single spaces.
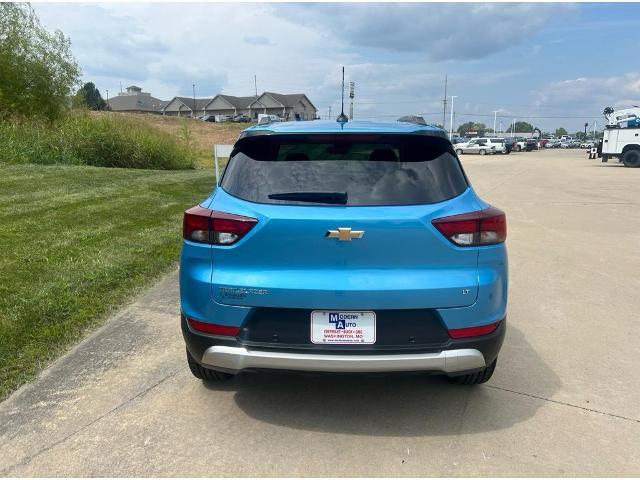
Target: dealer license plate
pixel 331 326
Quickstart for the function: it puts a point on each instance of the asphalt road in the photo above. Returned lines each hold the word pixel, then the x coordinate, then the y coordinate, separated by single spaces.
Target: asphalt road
pixel 565 398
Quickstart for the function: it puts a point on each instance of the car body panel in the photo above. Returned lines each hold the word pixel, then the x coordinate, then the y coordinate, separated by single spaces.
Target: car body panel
pixel 401 255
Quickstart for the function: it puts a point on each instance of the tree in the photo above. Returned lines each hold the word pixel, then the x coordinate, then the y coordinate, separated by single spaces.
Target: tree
pixel 37 69
pixel 479 128
pixel 581 136
pixel 521 127
pixel 89 96
pixel 561 131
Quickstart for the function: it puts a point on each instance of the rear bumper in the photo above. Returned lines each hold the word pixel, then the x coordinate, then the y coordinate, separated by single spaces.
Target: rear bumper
pixel 235 359
pixel 454 357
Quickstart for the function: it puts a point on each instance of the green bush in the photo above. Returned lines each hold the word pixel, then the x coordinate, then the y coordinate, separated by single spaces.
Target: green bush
pixel 80 138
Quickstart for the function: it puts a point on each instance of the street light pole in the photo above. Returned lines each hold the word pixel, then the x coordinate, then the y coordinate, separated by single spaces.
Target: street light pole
pixel 193 113
pixel 451 126
pixel 495 118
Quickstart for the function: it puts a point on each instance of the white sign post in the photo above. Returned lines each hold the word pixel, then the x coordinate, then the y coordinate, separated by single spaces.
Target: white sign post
pixel 220 151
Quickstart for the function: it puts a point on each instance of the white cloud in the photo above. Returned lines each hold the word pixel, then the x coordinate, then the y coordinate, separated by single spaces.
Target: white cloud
pixel 440 31
pixel 617 91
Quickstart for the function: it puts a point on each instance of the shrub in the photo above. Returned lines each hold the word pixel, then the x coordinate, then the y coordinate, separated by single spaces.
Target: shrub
pixel 80 138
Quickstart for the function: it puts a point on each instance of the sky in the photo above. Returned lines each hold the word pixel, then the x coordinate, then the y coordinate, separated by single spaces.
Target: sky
pixel 551 64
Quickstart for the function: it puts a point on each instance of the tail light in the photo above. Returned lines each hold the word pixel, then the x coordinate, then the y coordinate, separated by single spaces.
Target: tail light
pixel 202 225
pixel 213 328
pixel 473 331
pixel 483 227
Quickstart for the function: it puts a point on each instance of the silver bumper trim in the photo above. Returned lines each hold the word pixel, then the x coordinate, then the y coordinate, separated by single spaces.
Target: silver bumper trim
pixel 235 359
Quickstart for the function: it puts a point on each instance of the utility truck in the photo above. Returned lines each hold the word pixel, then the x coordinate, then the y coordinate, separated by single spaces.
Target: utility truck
pixel 622 136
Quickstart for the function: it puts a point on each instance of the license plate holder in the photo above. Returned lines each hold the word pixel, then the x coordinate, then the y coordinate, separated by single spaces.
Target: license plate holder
pixel 339 327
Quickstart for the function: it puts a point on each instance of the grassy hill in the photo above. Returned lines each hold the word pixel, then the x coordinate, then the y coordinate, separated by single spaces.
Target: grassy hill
pixel 200 135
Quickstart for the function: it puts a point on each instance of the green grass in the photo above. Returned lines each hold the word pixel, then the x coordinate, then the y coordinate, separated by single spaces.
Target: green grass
pixel 80 138
pixel 77 242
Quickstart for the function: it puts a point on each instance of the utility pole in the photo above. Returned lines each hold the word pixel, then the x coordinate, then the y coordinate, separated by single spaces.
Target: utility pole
pixel 444 104
pixel 495 118
pixel 585 130
pixel 451 127
pixel 193 112
pixel 107 99
pixel 352 87
pixel 594 129
pixel 329 112
pixel 255 84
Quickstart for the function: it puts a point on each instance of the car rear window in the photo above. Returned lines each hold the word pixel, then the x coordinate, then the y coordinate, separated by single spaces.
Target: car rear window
pixel 344 169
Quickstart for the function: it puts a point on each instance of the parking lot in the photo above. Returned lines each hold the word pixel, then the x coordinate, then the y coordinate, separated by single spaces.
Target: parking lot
pixel 564 401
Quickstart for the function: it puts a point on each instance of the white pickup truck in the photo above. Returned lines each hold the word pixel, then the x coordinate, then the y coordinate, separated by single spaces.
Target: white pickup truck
pixel 622 136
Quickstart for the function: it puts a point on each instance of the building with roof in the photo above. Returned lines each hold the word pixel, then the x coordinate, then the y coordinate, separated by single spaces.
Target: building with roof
pixel 185 107
pixel 134 100
pixel 296 106
pixel 288 107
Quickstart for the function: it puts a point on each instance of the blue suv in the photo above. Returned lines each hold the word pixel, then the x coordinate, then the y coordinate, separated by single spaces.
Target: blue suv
pixel 344 247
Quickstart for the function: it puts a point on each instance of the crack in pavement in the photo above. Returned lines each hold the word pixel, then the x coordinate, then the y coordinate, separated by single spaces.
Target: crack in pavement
pixel 26 461
pixel 592 410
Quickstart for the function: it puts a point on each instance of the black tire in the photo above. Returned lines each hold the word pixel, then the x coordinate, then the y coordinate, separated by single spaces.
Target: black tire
pixel 458 151
pixel 476 378
pixel 482 152
pixel 631 158
pixel 206 374
pixel 518 148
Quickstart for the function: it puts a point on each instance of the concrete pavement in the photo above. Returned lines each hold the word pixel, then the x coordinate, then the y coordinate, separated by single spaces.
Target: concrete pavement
pixel 564 401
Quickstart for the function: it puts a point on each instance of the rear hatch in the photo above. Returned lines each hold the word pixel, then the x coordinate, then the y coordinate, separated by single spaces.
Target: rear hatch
pixel 344 222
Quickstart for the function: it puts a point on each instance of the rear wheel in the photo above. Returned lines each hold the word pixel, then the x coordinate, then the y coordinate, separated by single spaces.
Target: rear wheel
pixel 206 374
pixel 476 378
pixel 518 148
pixel 458 151
pixel 631 158
pixel 482 152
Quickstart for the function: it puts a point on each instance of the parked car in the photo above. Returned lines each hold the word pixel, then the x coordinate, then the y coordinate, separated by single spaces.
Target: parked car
pixel 531 144
pixel 475 145
pixel 510 144
pixel 265 118
pixel 500 144
pixel 456 140
pixel 521 144
pixel 309 257
pixel 208 118
pixel 241 119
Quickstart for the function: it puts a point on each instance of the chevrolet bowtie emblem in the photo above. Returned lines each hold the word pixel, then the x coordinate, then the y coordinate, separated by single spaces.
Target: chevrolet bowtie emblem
pixel 344 234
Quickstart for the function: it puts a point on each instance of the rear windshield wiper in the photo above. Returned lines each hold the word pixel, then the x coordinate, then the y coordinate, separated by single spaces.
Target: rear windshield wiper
pixel 339 198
